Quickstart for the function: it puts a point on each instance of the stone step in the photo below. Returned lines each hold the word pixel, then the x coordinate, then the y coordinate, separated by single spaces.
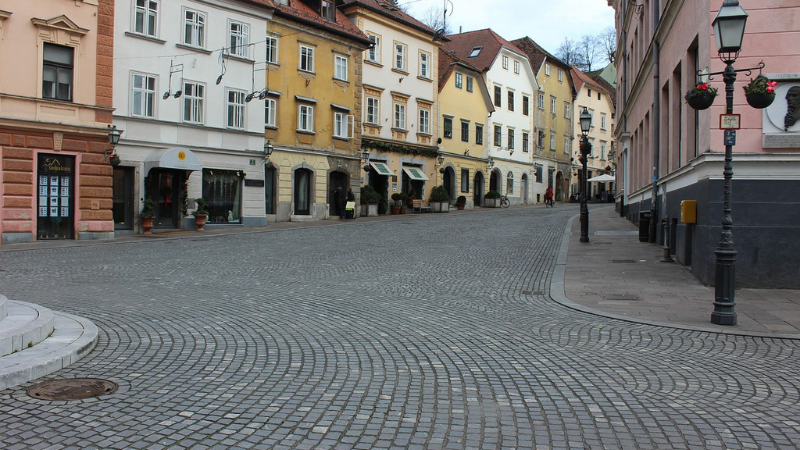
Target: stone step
pixel 24 326
pixel 73 337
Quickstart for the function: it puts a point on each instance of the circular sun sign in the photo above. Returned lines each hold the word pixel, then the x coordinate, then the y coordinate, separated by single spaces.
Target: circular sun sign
pixel 181 155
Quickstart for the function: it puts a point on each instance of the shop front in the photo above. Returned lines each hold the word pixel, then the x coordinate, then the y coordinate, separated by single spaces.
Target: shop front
pixel 166 176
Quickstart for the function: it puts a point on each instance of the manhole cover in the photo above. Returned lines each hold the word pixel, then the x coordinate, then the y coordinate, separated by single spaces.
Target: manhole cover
pixel 622 297
pixel 72 389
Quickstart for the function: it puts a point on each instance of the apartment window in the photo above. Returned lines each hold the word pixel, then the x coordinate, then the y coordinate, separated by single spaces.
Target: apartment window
pixel 193 98
pixel 373 110
pixel 510 138
pixel 475 52
pixel 400 116
pixel 448 127
pixel 271 112
pixel 374 52
pixel 566 145
pixel 464 180
pixel 342 125
pixel 194 28
pixel 144 96
pixel 272 50
pixel 541 101
pixel 464 131
pixel 547 69
pixel 425 121
pixel 470 82
pixel 603 122
pixel 510 100
pixel 510 183
pixel 328 10
pixel 479 134
pixel 498 94
pixel 603 151
pixel 538 173
pixel 498 136
pixel 552 142
pixel 305 118
pixel 553 105
pixel 236 109
pixel 400 51
pixel 239 39
pixel 598 96
pixel 57 67
pixel 505 62
pixel 525 142
pixel 526 105
pixel 459 80
pixel 540 140
pixel 560 75
pixel 590 92
pixel 145 17
pixel 306 59
pixel 424 65
pixel 566 110
pixel 516 67
pixel 340 67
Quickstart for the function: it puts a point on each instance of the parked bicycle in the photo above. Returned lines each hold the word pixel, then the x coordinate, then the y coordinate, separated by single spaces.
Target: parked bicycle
pixel 504 201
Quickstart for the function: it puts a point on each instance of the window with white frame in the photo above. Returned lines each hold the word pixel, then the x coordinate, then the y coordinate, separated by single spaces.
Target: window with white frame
pixel 145 17
pixel 400 116
pixel 239 39
pixel 194 28
pixel 305 118
pixel 425 121
pixel 236 109
pixel 566 110
pixel 541 101
pixel 553 105
pixel 57 71
pixel 526 105
pixel 193 102
pixel 271 112
pixel 448 127
pixel 547 69
pixel 603 122
pixel 464 180
pixel 505 62
pixel 510 183
pixel 342 125
pixel 306 59
pixel 272 50
pixel 498 136
pixel 400 52
pixel 373 111
pixel 424 65
pixel 552 142
pixel 143 99
pixel 328 11
pixel 566 145
pixel 340 67
pixel 516 67
pixel 470 82
pixel 459 80
pixel 374 52
pixel 560 75
pixel 602 151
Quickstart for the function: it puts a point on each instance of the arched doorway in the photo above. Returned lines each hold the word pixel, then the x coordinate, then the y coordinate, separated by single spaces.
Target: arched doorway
pixel 381 185
pixel 560 187
pixel 477 189
pixel 523 189
pixel 302 192
pixel 270 181
pixel 337 180
pixel 449 182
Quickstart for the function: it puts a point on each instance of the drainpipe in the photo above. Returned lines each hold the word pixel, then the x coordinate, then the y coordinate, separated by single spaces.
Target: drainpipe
pixel 651 237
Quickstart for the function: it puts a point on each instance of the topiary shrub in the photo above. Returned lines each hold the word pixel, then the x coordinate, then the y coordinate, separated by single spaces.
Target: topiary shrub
pixel 461 200
pixel 439 194
pixel 492 194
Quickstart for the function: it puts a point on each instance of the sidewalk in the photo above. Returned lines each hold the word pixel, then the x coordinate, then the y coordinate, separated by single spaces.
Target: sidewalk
pixel 621 277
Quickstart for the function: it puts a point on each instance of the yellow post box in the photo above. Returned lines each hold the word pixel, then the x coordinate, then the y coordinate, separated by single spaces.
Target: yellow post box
pixel 689 211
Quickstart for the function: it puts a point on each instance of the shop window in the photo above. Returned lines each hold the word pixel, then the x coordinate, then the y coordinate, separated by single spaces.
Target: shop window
pixel 222 190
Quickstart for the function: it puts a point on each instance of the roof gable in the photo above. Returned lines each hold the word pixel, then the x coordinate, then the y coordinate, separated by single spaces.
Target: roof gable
pixel 307 11
pixel 491 44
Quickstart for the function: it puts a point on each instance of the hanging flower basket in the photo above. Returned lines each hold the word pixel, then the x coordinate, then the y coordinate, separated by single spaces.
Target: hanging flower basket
pixel 114 160
pixel 701 97
pixel 760 92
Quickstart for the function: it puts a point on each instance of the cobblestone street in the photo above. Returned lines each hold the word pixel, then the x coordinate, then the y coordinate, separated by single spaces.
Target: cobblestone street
pixel 431 331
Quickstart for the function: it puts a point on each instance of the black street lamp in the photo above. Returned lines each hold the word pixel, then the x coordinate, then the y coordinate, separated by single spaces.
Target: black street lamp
pixel 586 148
pixel 729 32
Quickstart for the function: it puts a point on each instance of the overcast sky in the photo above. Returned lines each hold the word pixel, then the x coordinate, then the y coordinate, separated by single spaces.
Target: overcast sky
pixel 547 22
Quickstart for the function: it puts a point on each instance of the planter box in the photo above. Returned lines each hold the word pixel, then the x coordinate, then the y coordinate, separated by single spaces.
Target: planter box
pixel 369 210
pixel 491 202
pixel 440 207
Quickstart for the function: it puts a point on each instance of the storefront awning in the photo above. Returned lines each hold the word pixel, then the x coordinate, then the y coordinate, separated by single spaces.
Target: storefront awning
pixel 174 158
pixel 382 169
pixel 415 174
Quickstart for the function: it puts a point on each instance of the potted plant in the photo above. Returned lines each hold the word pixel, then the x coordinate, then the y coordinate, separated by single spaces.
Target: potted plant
pixel 403 203
pixel 440 199
pixel 369 201
pixel 200 214
pixel 492 199
pixel 114 159
pixel 701 97
pixel 461 202
pixel 760 92
pixel 148 215
pixel 396 205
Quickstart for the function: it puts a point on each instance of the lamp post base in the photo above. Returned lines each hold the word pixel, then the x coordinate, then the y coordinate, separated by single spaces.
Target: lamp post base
pixel 724 287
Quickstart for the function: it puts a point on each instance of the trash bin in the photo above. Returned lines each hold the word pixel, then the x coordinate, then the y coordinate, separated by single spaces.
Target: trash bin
pixel 644 226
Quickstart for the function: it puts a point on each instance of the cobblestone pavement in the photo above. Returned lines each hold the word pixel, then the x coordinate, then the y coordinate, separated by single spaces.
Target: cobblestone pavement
pixel 427 332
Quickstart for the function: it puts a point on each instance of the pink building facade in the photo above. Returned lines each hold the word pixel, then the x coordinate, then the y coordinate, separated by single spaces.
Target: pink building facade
pixel 670 153
pixel 55 106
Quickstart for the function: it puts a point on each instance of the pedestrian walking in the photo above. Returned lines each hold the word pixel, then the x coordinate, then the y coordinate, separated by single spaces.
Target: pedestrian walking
pixel 350 207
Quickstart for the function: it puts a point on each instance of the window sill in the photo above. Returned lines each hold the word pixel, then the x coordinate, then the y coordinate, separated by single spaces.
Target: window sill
pixel 425 79
pixel 341 80
pixel 306 71
pixel 447 137
pixel 401 72
pixel 373 63
pixel 145 37
pixel 270 127
pixel 305 132
pixel 342 138
pixel 243 59
pixel 193 48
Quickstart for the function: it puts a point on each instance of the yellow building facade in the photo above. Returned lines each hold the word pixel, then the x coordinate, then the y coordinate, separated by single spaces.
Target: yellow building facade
pixel 312 111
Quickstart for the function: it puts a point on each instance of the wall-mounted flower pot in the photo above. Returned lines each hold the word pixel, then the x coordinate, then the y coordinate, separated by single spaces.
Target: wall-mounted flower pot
pixel 760 101
pixel 700 102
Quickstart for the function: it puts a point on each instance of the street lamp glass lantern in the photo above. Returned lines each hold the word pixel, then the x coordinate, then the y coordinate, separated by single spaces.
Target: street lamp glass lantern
pixel 440 159
pixel 365 155
pixel 113 135
pixel 268 148
pixel 586 121
pixel 729 27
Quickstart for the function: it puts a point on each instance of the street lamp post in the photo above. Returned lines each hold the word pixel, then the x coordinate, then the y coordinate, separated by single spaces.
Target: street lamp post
pixel 728 31
pixel 586 148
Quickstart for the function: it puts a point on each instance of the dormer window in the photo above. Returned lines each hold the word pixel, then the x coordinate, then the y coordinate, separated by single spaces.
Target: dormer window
pixel 475 52
pixel 328 10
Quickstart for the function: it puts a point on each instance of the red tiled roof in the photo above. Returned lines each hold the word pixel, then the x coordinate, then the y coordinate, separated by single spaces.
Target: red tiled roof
pixel 537 54
pixel 491 43
pixel 447 63
pixel 579 79
pixel 305 11
pixel 386 8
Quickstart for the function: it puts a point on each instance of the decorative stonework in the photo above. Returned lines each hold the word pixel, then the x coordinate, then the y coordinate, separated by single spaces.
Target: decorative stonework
pixel 781 120
pixel 58 139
